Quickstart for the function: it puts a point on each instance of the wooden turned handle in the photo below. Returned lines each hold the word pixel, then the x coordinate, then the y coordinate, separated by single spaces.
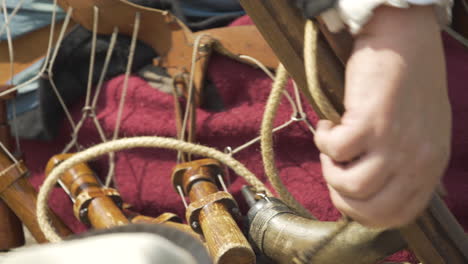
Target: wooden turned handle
pixel 93 204
pixel 213 218
pixel 11 229
pixel 103 213
pixel 225 241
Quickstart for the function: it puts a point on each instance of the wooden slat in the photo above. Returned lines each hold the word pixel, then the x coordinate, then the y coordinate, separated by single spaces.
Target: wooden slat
pixel 282 26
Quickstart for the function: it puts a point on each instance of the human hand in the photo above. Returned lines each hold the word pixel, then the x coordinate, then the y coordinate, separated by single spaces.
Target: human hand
pixel 384 160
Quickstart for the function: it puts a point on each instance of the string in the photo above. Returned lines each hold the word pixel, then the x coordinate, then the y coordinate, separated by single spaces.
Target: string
pixel 98 126
pixel 298 110
pixel 89 110
pixel 51 65
pixel 302 116
pixel 7 21
pixel 77 128
pixel 136 29
pixel 47 56
pixel 188 106
pixel 257 139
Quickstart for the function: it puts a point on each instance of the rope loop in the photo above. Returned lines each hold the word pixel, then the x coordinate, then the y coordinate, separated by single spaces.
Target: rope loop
pixel 130 143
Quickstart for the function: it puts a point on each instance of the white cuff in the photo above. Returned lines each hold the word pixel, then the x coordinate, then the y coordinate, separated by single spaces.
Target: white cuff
pixel 355 14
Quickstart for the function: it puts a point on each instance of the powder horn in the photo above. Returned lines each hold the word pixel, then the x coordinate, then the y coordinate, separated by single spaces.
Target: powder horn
pixel 285 237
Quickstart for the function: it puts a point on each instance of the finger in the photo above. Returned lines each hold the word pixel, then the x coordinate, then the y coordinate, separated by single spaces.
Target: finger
pixel 343 142
pixel 399 203
pixel 359 180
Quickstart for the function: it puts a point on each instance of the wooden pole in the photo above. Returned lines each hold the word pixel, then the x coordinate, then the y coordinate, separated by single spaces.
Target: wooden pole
pixel 282 26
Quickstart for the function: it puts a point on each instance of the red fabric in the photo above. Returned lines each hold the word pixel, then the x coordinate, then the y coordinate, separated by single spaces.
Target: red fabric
pixel 143 175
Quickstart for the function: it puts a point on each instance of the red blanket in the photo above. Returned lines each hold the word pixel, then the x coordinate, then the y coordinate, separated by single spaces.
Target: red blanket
pixel 143 175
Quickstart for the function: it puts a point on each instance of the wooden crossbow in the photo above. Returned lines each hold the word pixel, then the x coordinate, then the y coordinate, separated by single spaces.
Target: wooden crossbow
pixel 436 237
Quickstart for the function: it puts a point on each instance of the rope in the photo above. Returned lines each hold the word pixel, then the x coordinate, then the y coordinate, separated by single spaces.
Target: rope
pixel 310 61
pixel 189 106
pixel 130 143
pixel 324 105
pixel 8 18
pixel 267 142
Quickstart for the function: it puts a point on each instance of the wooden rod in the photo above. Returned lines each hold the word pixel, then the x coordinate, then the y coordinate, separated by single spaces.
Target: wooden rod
pixel 210 212
pixel 11 229
pixel 21 197
pixel 94 205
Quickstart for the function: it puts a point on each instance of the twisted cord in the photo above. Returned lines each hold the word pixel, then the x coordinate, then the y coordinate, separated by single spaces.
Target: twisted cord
pixel 266 142
pixel 130 143
pixel 310 61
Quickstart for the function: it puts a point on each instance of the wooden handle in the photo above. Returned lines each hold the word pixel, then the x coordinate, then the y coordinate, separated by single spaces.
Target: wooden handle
pixel 210 212
pixel 436 237
pixel 11 229
pixel 21 197
pixel 93 204
pixel 103 213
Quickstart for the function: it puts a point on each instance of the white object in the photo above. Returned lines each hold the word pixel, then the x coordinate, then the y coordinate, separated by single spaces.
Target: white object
pixel 120 248
pixel 355 13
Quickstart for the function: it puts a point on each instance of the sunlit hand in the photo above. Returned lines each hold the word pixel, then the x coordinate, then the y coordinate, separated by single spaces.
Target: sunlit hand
pixel 385 159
